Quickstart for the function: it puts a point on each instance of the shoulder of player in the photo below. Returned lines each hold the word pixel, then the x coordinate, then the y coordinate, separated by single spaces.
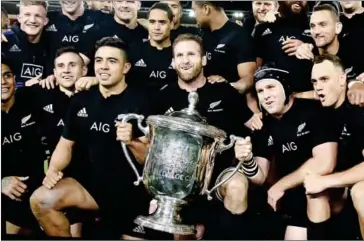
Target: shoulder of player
pixel 223 90
pixel 86 96
pixel 260 28
pixel 307 104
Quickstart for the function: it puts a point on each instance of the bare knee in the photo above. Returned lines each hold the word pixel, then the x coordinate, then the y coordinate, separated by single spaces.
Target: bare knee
pixel 357 194
pixel 44 198
pixel 237 186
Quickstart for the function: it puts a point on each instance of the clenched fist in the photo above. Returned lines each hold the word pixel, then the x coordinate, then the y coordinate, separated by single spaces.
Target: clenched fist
pixel 124 132
pixel 52 178
pixel 243 149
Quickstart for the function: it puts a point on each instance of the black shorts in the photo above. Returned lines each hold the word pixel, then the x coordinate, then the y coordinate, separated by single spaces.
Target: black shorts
pixel 19 213
pixel 119 206
pixel 293 207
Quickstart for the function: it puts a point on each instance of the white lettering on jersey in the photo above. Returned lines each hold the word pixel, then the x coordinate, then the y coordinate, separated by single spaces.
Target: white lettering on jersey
pixel 285 38
pixel 10 139
pixel 158 74
pixel 290 146
pixel 60 123
pixel 100 127
pixel 208 55
pixel 70 39
pixel 30 71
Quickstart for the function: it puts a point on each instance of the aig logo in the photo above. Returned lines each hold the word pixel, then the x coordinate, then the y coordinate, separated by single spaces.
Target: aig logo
pixel 11 138
pixel 101 127
pixel 70 39
pixel 158 74
pixel 290 146
pixel 208 55
pixel 30 71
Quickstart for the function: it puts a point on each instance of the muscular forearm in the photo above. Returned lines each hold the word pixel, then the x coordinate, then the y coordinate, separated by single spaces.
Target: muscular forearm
pixel 244 84
pixel 61 158
pixel 259 178
pixel 346 178
pixel 139 150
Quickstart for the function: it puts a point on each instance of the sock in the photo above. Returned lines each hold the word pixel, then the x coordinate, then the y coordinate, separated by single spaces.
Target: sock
pixel 318 231
pixel 236 226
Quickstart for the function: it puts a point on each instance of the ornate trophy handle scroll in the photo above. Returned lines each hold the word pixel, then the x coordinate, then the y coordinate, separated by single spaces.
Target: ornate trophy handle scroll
pixel 222 148
pixel 124 119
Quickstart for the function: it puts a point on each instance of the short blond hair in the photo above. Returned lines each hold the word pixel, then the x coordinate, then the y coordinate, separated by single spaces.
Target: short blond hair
pixel 36 3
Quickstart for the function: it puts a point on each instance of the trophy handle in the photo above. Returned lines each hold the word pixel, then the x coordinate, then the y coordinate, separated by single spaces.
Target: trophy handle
pixel 222 148
pixel 124 119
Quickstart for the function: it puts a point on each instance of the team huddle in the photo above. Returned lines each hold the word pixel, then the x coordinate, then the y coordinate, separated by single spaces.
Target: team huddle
pixel 289 84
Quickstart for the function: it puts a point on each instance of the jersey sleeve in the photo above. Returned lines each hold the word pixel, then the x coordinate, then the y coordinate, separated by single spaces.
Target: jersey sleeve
pixel 323 128
pixel 263 144
pixel 71 129
pixel 245 48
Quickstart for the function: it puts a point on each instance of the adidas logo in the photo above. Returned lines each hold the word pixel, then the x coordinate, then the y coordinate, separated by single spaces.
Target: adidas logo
pixel 49 108
pixel 82 113
pixel 140 63
pixel 139 229
pixel 270 141
pixel 52 28
pixel 266 32
pixel 14 48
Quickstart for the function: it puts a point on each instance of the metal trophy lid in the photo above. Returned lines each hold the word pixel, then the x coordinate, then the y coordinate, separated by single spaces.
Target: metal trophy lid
pixel 188 120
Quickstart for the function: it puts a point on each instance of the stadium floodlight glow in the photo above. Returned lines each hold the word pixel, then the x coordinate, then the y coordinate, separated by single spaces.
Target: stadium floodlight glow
pixel 191 14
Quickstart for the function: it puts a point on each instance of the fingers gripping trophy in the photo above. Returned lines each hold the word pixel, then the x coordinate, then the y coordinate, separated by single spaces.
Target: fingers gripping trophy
pixel 179 163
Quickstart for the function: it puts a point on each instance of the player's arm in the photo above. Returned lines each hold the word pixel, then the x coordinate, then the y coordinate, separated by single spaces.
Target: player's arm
pixel 323 162
pixel 62 155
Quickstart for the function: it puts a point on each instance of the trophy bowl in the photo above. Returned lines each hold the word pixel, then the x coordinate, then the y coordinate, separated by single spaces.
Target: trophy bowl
pixel 178 165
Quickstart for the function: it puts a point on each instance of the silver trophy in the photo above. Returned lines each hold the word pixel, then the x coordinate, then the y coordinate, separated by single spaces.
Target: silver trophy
pixel 179 163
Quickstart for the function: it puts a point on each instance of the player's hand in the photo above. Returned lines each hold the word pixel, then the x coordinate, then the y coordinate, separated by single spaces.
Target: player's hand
pixel 255 122
pixel 314 184
pixel 3 38
pixel 290 46
pixel 356 94
pixel 304 51
pixel 275 193
pixel 124 132
pixel 13 187
pixel 243 149
pixel 216 79
pixel 271 16
pixel 49 82
pixel 85 83
pixel 33 81
pixel 52 178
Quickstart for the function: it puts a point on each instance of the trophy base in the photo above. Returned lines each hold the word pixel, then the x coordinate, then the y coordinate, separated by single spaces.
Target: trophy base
pixel 166 218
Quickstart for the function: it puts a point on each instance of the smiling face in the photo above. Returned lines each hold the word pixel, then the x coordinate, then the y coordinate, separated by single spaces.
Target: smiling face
pixel 126 11
pixel 70 6
pixel 261 8
pixel 324 28
pixel 296 7
pixel 271 96
pixel 110 66
pixel 7 83
pixel 188 60
pixel 69 67
pixel 32 19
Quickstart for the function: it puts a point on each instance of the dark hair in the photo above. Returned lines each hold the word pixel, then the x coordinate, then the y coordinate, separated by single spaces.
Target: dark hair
pixel 218 5
pixel 327 7
pixel 36 3
pixel 6 61
pixel 189 37
pixel 114 43
pixel 163 7
pixel 336 61
pixel 68 49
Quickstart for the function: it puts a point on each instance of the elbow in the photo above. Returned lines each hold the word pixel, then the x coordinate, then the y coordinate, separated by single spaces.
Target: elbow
pixel 327 167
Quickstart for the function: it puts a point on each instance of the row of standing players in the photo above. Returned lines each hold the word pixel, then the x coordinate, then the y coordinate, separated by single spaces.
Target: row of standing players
pixel 100 125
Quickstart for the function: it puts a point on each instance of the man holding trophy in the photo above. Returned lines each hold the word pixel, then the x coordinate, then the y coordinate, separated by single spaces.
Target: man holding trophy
pixel 217 103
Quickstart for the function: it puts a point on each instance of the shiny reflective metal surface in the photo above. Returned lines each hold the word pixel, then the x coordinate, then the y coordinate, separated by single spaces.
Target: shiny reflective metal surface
pixel 179 164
